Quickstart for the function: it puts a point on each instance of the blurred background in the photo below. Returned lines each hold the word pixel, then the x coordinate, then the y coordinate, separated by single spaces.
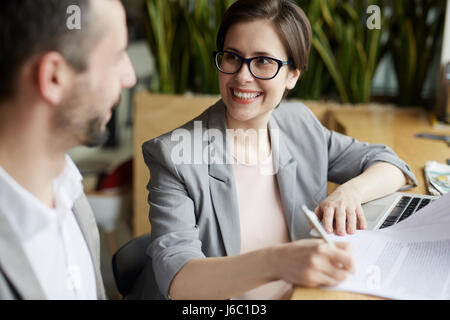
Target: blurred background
pixel 349 62
pixel 403 63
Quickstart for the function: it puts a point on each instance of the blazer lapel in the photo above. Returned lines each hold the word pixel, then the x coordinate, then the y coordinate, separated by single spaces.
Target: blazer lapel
pixel 15 264
pixel 85 218
pixel 221 181
pixel 286 171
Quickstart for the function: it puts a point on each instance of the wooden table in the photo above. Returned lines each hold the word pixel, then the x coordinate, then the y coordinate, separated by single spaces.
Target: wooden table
pixel 395 128
pixel 321 294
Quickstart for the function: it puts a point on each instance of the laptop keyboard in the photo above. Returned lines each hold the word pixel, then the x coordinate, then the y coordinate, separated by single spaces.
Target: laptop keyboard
pixel 405 208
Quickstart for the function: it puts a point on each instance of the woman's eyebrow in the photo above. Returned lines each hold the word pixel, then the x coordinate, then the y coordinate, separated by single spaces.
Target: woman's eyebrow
pixel 233 49
pixel 263 53
pixel 258 53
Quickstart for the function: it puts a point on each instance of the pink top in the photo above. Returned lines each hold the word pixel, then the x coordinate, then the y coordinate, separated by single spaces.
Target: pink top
pixel 262 220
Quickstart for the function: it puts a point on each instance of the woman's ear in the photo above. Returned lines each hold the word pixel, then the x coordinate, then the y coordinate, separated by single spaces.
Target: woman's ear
pixel 293 77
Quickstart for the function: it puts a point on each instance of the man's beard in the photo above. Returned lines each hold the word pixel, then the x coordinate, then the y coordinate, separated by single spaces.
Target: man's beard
pixel 90 133
pixel 95 136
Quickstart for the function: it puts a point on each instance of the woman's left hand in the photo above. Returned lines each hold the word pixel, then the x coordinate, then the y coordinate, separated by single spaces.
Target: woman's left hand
pixel 342 209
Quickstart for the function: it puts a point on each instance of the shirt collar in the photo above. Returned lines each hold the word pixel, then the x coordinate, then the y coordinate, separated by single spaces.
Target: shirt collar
pixel 68 186
pixel 27 214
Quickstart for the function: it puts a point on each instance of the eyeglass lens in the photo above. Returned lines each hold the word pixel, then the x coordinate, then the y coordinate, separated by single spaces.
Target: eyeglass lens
pixel 260 67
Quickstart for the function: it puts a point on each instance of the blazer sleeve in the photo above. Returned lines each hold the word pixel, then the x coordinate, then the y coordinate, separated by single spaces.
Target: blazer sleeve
pixel 347 158
pixel 175 235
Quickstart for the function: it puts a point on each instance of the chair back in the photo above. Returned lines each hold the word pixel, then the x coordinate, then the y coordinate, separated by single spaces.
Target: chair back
pixel 128 262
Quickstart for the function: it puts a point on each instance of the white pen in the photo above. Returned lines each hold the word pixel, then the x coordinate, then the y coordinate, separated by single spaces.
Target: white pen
pixel 317 225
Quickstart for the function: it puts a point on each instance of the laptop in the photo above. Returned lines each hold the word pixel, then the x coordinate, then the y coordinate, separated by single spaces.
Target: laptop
pixel 396 207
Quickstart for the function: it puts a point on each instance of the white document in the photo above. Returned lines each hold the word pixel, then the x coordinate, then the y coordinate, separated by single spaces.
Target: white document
pixel 409 260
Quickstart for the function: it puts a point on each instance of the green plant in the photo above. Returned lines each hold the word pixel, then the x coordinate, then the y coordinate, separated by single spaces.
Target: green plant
pixel 344 55
pixel 162 38
pixel 316 79
pixel 203 21
pixel 182 37
pixel 413 42
pixel 350 50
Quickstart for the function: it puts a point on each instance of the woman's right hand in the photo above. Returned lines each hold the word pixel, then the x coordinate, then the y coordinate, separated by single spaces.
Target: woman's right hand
pixel 313 263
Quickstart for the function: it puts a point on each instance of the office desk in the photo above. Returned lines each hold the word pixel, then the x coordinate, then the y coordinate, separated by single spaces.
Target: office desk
pixel 321 294
pixel 395 128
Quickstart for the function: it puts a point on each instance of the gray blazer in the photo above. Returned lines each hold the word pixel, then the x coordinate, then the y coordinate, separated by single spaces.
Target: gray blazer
pixel 17 279
pixel 194 208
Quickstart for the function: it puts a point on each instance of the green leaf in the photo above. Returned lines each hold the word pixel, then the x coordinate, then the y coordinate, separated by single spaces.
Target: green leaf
pixel 329 61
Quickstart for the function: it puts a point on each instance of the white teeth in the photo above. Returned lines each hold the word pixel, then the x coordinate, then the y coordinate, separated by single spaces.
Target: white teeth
pixel 245 95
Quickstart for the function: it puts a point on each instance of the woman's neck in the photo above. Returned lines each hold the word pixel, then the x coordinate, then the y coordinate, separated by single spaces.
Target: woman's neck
pixel 257 123
pixel 249 140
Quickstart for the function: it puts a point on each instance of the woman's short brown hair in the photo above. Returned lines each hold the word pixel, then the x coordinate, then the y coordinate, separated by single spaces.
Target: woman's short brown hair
pixel 288 18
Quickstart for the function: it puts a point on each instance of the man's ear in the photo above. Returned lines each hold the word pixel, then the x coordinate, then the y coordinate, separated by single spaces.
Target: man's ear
pixel 293 77
pixel 52 77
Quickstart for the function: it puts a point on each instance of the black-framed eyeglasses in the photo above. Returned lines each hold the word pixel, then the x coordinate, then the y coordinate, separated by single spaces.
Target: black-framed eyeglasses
pixel 261 67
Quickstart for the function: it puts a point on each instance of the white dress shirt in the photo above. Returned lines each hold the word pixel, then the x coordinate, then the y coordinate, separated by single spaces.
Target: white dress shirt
pixel 51 237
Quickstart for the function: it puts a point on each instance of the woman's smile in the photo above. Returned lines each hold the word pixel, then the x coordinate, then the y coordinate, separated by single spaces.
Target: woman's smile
pixel 244 96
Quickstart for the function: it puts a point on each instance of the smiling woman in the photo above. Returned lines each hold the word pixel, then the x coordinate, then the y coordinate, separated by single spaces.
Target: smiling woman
pixel 233 229
pixel 250 39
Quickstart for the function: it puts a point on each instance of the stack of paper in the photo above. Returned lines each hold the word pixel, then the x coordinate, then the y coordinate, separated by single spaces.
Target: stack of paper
pixel 437 176
pixel 409 260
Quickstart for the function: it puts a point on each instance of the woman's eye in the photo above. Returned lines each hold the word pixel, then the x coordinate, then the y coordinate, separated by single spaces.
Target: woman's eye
pixel 263 61
pixel 231 57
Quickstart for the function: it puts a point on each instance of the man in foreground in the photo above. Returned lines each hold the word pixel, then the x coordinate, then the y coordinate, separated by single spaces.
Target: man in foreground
pixel 58 86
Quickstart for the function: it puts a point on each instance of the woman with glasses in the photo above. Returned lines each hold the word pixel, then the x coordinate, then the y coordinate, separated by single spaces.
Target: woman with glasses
pixel 230 225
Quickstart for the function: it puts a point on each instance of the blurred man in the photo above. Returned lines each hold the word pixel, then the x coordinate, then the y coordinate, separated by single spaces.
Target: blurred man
pixel 59 81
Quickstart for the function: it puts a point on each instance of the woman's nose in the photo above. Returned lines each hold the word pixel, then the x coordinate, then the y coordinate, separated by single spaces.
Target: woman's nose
pixel 244 74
